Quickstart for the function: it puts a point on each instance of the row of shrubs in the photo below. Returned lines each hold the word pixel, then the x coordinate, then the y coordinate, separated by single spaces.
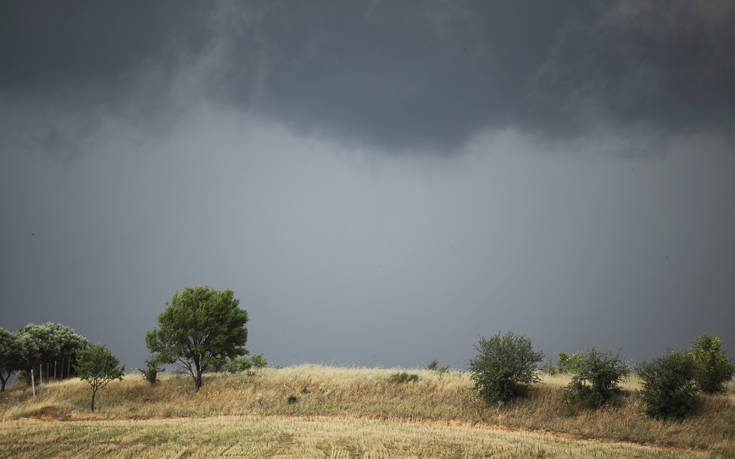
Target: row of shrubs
pixel 223 365
pixel 506 365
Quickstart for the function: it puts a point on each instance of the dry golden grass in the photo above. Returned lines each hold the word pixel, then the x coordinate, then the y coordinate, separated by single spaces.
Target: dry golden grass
pixel 366 393
pixel 291 437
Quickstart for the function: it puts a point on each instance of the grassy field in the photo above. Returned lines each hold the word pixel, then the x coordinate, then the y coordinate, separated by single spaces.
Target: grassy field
pixel 292 436
pixel 345 410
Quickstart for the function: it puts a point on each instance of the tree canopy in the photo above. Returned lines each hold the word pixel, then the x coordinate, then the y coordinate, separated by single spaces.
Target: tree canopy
pixel 712 367
pixel 47 343
pixel 96 365
pixel 504 366
pixel 10 356
pixel 199 326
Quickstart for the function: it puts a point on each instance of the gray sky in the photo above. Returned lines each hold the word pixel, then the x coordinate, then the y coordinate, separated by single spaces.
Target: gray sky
pixel 379 182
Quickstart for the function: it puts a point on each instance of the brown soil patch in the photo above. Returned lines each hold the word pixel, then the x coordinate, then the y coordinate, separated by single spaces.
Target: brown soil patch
pixel 49 413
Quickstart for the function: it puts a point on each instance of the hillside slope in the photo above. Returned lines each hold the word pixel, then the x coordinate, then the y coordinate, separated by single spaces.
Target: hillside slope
pixel 361 394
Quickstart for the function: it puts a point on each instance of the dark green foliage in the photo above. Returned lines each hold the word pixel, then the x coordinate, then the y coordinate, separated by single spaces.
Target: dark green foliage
pixel 570 363
pixel 199 327
pixel 48 343
pixel 292 399
pixel 151 370
pixel 504 366
pixel 597 378
pixel 403 377
pixel 668 385
pixel 712 368
pixel 10 356
pixel 236 364
pixel 434 366
pixel 98 367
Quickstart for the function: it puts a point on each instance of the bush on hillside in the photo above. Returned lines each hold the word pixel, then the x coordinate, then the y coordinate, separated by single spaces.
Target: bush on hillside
pixel 434 366
pixel 597 379
pixel 151 370
pixel 258 361
pixel 668 386
pixel 402 377
pixel 570 363
pixel 712 368
pixel 504 367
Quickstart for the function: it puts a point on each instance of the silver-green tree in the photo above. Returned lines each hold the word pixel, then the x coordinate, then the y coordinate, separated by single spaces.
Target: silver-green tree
pixel 199 326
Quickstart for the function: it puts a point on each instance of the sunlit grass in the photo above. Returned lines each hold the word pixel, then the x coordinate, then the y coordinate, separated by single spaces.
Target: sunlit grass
pixel 367 393
pixel 292 437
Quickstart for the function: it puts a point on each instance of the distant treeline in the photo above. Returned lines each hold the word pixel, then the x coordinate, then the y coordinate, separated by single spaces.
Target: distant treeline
pixel 48 351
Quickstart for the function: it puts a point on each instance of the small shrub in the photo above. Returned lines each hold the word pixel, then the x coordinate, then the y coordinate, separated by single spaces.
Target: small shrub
pixel 402 377
pixel 292 399
pixel 238 364
pixel 570 363
pixel 596 380
pixel 712 368
pixel 150 372
pixel 504 367
pixel 434 366
pixel 668 386
pixel 258 361
pixel 305 390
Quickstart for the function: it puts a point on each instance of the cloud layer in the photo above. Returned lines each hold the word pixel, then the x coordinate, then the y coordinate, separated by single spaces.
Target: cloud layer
pixel 379 182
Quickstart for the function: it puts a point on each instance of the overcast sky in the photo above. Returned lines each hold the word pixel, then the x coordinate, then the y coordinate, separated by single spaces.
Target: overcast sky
pixel 379 182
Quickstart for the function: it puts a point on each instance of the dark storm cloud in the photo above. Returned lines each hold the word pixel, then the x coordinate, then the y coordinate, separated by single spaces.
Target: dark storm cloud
pixel 418 75
pixel 571 175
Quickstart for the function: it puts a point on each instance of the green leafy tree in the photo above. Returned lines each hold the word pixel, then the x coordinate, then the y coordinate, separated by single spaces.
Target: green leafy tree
pixel 668 385
pixel 98 367
pixel 230 364
pixel 712 368
pixel 48 343
pixel 570 363
pixel 151 370
pixel 596 380
pixel 37 347
pixel 199 326
pixel 10 356
pixel 504 366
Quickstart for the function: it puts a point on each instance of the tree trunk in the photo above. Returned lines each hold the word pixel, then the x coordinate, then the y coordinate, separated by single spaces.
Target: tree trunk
pixel 40 374
pixel 3 380
pixel 197 376
pixel 198 380
pixel 33 383
pixel 68 367
pixel 54 370
pixel 94 392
